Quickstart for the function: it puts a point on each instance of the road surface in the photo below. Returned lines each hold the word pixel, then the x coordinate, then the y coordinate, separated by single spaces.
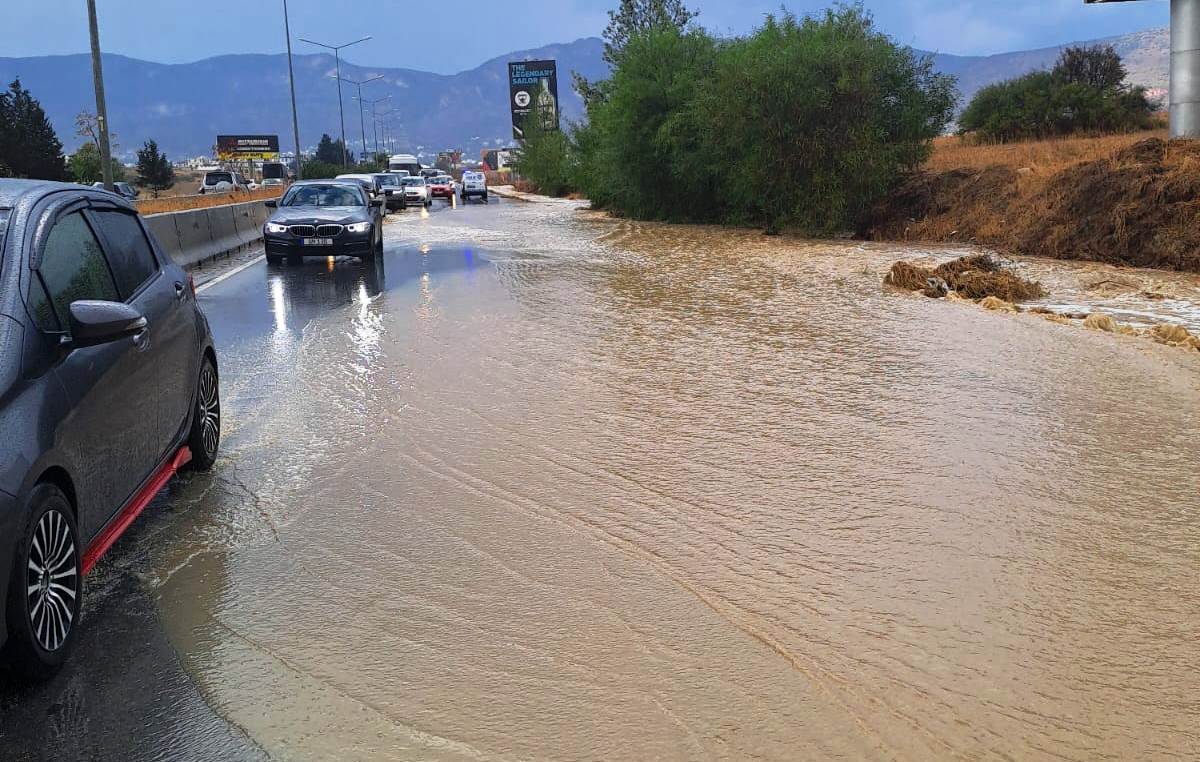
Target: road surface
pixel 546 486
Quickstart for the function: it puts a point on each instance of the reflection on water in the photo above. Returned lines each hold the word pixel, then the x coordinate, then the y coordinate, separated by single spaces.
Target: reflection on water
pixel 623 491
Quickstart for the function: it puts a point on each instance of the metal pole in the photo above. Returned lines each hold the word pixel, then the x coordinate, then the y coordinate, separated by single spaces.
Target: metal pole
pixel 101 109
pixel 362 125
pixel 337 61
pixel 1185 68
pixel 287 29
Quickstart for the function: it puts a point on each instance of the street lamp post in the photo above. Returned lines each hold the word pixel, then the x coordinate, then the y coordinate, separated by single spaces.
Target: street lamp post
pixel 374 118
pixel 287 30
pixel 101 108
pixel 337 65
pixel 362 124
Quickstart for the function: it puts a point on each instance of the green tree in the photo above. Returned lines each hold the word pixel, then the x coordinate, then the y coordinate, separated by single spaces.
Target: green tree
pixel 28 145
pixel 820 116
pixel 154 170
pixel 545 157
pixel 84 166
pixel 633 18
pixel 330 151
pixel 1096 66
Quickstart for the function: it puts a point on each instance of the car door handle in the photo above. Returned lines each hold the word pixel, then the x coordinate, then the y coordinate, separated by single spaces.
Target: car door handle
pixel 141 339
pixel 180 289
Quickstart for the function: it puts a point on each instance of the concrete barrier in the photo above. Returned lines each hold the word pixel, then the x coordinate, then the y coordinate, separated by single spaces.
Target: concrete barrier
pixel 162 227
pixel 197 235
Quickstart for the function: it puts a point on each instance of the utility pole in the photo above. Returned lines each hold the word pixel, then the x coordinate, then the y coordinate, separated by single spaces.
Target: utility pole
pixel 101 109
pixel 337 65
pixel 362 124
pixel 287 30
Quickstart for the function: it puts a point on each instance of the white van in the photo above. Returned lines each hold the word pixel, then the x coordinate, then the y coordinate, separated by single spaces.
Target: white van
pixel 474 184
pixel 404 162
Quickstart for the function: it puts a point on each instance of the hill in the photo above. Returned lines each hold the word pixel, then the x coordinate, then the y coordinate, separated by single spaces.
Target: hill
pixel 184 106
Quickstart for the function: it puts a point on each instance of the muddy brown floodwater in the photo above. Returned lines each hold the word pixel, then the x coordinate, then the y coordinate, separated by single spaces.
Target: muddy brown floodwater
pixel 546 486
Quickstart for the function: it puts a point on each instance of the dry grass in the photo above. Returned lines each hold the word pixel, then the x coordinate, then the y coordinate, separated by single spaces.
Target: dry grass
pixel 973 277
pixel 1043 157
pixel 184 203
pixel 1126 199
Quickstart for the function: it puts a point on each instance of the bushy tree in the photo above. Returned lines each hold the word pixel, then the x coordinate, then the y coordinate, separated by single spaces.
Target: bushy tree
pixel 1085 92
pixel 819 116
pixel 1097 66
pixel 84 166
pixel 330 151
pixel 154 170
pixel 28 145
pixel 544 157
pixel 633 18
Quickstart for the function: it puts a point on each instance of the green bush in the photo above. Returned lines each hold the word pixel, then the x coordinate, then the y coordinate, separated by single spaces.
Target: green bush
pixel 805 123
pixel 1085 93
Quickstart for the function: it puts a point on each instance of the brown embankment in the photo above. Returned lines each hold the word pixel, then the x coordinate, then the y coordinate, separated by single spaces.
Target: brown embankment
pixel 183 203
pixel 1127 200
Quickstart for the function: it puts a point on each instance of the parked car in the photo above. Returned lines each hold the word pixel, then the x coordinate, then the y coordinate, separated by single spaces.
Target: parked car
pixel 416 191
pixel 324 218
pixel 393 191
pixel 108 384
pixel 124 190
pixel 223 181
pixel 442 187
pixel 474 184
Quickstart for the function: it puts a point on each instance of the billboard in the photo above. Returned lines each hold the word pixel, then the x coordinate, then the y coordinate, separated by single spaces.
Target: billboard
pixel 248 147
pixel 530 84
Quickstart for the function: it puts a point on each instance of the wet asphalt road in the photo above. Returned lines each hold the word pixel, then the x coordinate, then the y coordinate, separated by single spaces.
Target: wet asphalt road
pixel 124 695
pixel 545 486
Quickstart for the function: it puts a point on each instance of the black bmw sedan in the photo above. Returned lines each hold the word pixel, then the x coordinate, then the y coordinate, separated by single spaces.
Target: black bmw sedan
pixel 108 385
pixel 324 218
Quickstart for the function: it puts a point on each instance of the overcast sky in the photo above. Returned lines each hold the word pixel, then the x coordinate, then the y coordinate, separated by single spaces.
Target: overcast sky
pixel 451 35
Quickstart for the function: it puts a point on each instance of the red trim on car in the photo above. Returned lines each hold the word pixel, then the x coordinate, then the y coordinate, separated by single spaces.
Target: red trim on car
pixel 134 508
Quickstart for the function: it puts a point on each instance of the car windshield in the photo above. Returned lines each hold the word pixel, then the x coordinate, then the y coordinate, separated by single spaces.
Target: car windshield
pixel 323 195
pixel 413 180
pixel 212 178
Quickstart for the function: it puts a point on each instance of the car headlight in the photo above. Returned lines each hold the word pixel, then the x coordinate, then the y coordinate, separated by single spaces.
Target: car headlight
pixel 358 227
pixel 273 227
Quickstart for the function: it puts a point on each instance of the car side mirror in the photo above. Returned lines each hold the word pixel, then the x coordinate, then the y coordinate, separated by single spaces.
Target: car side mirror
pixel 272 204
pixel 98 322
pixel 377 203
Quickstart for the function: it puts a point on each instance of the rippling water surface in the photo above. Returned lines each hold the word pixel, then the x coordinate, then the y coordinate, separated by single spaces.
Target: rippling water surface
pixel 549 486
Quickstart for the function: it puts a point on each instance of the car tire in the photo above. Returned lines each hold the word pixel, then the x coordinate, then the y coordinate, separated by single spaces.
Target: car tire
pixel 204 439
pixel 274 259
pixel 39 641
pixel 485 198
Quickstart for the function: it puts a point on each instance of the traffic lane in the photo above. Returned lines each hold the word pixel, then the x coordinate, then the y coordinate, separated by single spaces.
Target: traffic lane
pixel 123 694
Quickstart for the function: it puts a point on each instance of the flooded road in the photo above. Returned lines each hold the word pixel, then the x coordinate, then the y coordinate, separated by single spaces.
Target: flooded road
pixel 542 485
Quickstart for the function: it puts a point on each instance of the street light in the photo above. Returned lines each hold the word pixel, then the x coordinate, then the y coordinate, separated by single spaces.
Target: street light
pixel 362 125
pixel 101 108
pixel 374 118
pixel 287 30
pixel 337 64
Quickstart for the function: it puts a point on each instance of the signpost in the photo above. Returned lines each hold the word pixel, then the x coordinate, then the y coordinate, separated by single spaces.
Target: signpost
pixel 530 84
pixel 247 147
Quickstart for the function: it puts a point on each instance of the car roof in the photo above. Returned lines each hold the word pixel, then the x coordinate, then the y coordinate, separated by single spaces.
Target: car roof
pixel 327 181
pixel 12 191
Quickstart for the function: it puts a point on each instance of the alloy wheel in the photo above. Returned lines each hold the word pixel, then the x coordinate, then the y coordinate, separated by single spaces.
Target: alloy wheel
pixel 52 580
pixel 209 403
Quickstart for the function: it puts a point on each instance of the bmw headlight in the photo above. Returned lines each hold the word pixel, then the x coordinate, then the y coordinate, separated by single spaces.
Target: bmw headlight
pixel 273 227
pixel 358 227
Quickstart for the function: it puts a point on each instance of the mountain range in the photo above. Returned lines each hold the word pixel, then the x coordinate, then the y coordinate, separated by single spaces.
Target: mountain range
pixel 184 106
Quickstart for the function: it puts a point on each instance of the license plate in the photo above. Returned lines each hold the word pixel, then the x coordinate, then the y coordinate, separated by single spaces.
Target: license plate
pixel 316 242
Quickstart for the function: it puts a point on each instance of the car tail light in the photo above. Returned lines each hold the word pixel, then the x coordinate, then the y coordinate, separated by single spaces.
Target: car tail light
pixel 192 285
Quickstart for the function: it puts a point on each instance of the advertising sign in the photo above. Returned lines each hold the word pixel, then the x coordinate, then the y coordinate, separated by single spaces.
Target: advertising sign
pixel 530 84
pixel 248 147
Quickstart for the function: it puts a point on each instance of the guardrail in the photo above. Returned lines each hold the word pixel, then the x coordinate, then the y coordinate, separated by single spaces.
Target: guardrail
pixel 194 236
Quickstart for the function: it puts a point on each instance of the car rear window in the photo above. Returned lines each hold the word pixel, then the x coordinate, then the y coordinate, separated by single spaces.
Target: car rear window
pixel 212 178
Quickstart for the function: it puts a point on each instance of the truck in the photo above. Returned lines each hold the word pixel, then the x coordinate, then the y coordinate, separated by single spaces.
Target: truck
pixel 404 162
pixel 274 174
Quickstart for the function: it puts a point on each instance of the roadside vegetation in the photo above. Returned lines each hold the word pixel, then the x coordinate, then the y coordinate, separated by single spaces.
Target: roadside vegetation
pixel 1084 93
pixel 332 157
pixel 803 124
pixel 28 145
